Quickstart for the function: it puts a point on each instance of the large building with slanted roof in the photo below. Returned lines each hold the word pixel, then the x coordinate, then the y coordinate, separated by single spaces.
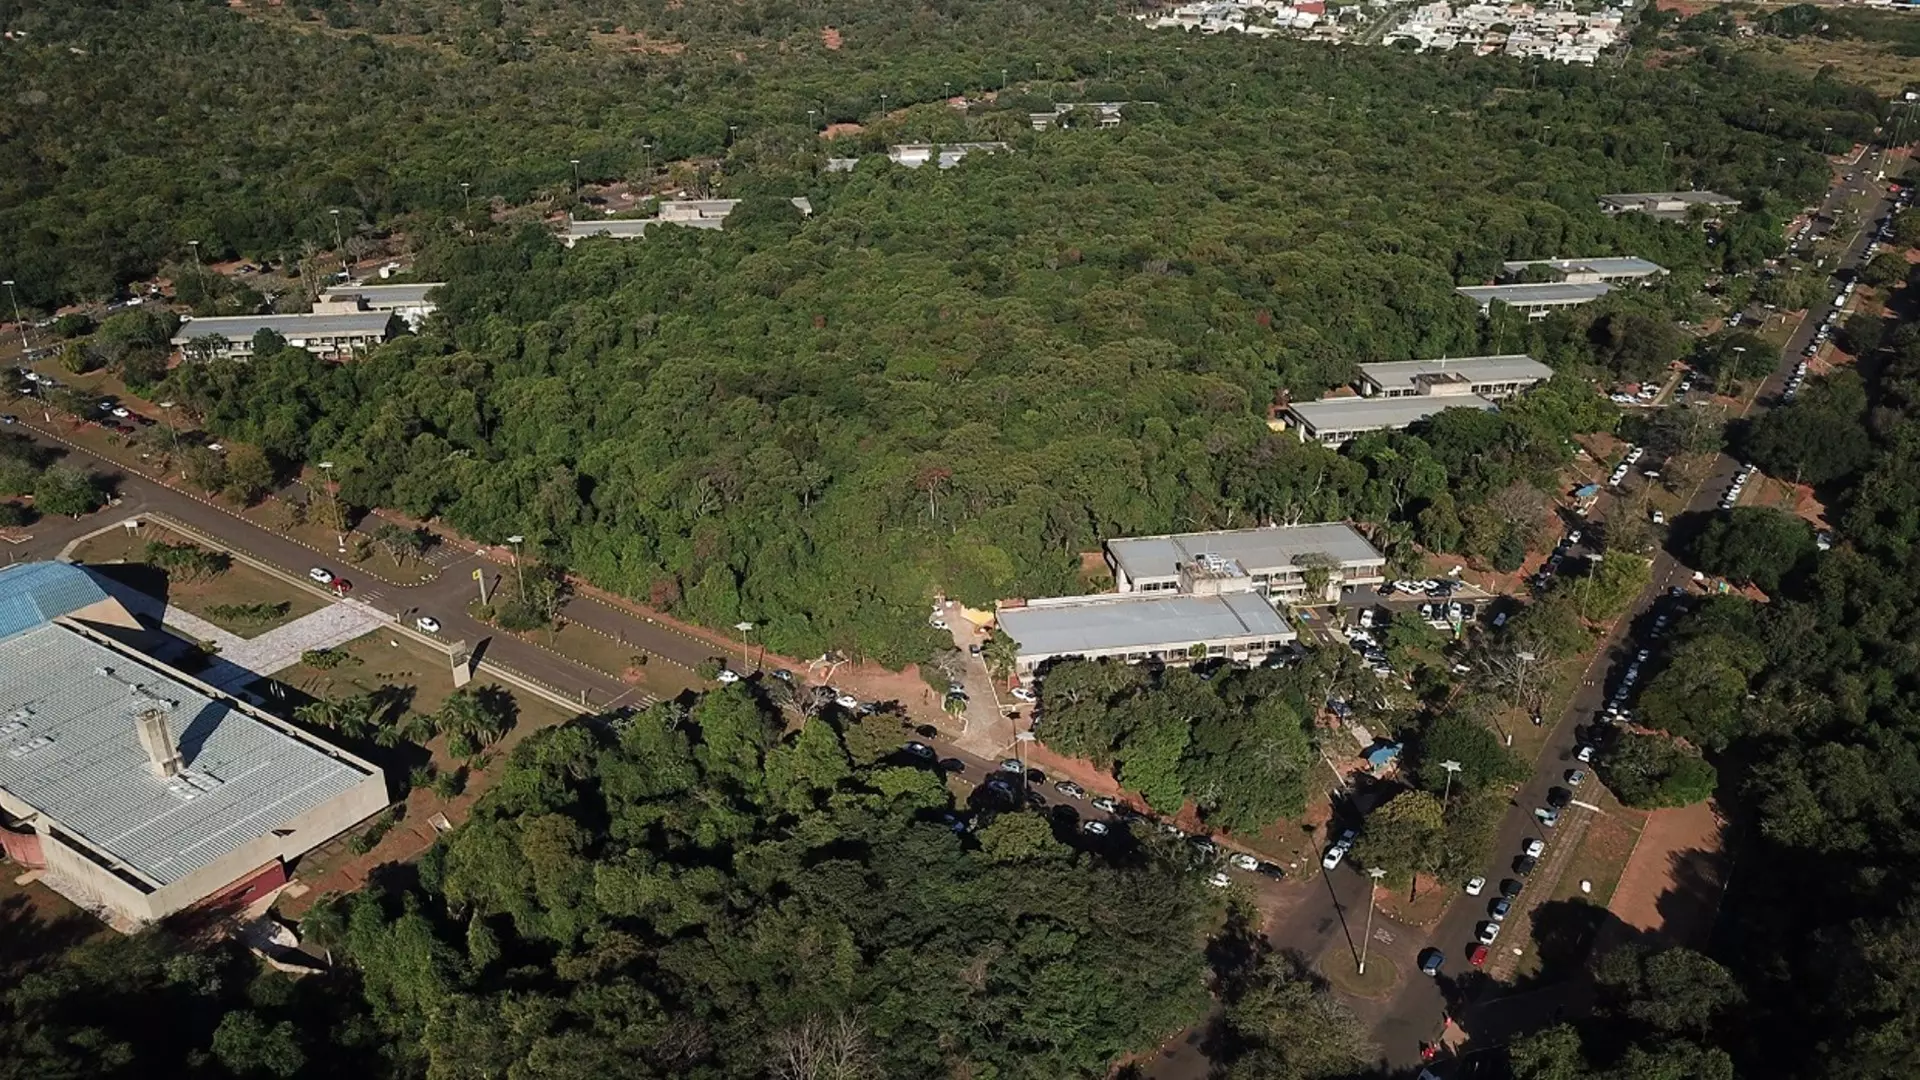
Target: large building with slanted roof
pixel 1491 377
pixel 331 335
pixel 1275 558
pixel 136 790
pixel 1187 597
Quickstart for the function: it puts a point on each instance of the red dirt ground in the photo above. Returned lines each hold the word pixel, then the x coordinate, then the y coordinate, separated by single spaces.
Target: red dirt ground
pixel 1673 881
pixel 830 38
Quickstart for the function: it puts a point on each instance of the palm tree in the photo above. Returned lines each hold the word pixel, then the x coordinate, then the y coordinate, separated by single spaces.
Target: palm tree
pixel 1000 652
pixel 476 717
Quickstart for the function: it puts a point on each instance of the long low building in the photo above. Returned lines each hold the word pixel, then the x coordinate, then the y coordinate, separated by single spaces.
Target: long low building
pixel 1670 205
pixel 1607 268
pixel 136 790
pixel 332 336
pixel 1491 377
pixel 413 303
pixel 1333 421
pixel 1535 299
pixel 691 213
pixel 1142 627
pixel 1275 559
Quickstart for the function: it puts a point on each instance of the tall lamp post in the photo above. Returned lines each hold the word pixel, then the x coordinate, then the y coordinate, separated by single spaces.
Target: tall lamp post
pixel 339 242
pixel 1376 873
pixel 520 582
pixel 745 628
pixel 333 508
pixel 1451 767
pixel 575 162
pixel 17 320
pixel 199 275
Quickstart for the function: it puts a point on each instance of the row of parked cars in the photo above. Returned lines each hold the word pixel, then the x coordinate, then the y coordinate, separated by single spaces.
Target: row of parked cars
pixel 1739 485
pixel 1627 462
pixel 1792 388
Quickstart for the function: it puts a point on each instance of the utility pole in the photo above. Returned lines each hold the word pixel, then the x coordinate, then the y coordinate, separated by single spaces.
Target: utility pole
pixel 339 244
pixel 199 274
pixel 520 580
pixel 1451 767
pixel 17 320
pixel 1373 886
pixel 466 197
pixel 745 628
pixel 575 162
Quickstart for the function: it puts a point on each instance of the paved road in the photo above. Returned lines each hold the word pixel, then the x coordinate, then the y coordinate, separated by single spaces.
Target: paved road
pixel 445 598
pixel 1415 1013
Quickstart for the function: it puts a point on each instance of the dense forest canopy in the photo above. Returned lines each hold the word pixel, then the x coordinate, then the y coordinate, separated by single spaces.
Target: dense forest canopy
pixel 951 380
pixel 701 894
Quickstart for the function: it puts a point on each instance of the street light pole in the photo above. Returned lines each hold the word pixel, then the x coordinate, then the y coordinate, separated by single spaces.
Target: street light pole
pixel 520 581
pixel 17 320
pixel 1376 873
pixel 745 628
pixel 199 274
pixel 1451 767
pixel 339 244
pixel 333 508
pixel 575 162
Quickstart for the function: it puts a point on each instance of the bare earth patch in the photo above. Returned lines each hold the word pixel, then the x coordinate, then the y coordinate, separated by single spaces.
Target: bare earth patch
pixel 1674 878
pixel 830 38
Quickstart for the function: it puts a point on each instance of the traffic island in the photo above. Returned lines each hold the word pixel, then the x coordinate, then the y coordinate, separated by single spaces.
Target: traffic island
pixel 1338 967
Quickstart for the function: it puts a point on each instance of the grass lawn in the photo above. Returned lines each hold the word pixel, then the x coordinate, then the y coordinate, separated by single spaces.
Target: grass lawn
pixel 240 584
pixel 1338 966
pixel 382 659
pixel 1603 851
pixel 1421 908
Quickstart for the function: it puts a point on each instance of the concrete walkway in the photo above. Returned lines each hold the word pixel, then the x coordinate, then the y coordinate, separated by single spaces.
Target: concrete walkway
pixel 335 624
pixel 241 660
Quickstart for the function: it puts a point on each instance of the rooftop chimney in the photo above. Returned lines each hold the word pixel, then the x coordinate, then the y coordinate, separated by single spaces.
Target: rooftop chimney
pixel 162 755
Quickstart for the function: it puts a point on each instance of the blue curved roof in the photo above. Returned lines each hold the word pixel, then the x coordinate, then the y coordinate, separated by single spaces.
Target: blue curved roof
pixel 33 594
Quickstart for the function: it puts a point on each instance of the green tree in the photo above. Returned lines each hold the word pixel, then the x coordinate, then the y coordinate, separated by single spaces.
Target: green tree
pixel 1455 736
pixel 1404 835
pixel 249 475
pixel 1756 545
pixel 249 1046
pixel 67 491
pixel 1652 771
pixel 1700 693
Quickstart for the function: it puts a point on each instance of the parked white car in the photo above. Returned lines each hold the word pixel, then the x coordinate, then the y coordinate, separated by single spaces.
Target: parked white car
pixel 1021 693
pixel 427 624
pixel 727 675
pixel 321 575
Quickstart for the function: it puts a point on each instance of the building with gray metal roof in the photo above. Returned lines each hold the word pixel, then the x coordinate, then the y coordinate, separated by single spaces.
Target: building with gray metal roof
pixel 140 791
pixel 1609 268
pixel 1535 299
pixel 1671 205
pixel 33 594
pixel 412 302
pixel 1334 421
pixel 1144 627
pixel 1275 559
pixel 331 335
pixel 1490 377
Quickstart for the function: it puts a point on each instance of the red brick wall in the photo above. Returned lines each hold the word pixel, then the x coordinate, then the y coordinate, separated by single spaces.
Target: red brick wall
pixel 23 848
